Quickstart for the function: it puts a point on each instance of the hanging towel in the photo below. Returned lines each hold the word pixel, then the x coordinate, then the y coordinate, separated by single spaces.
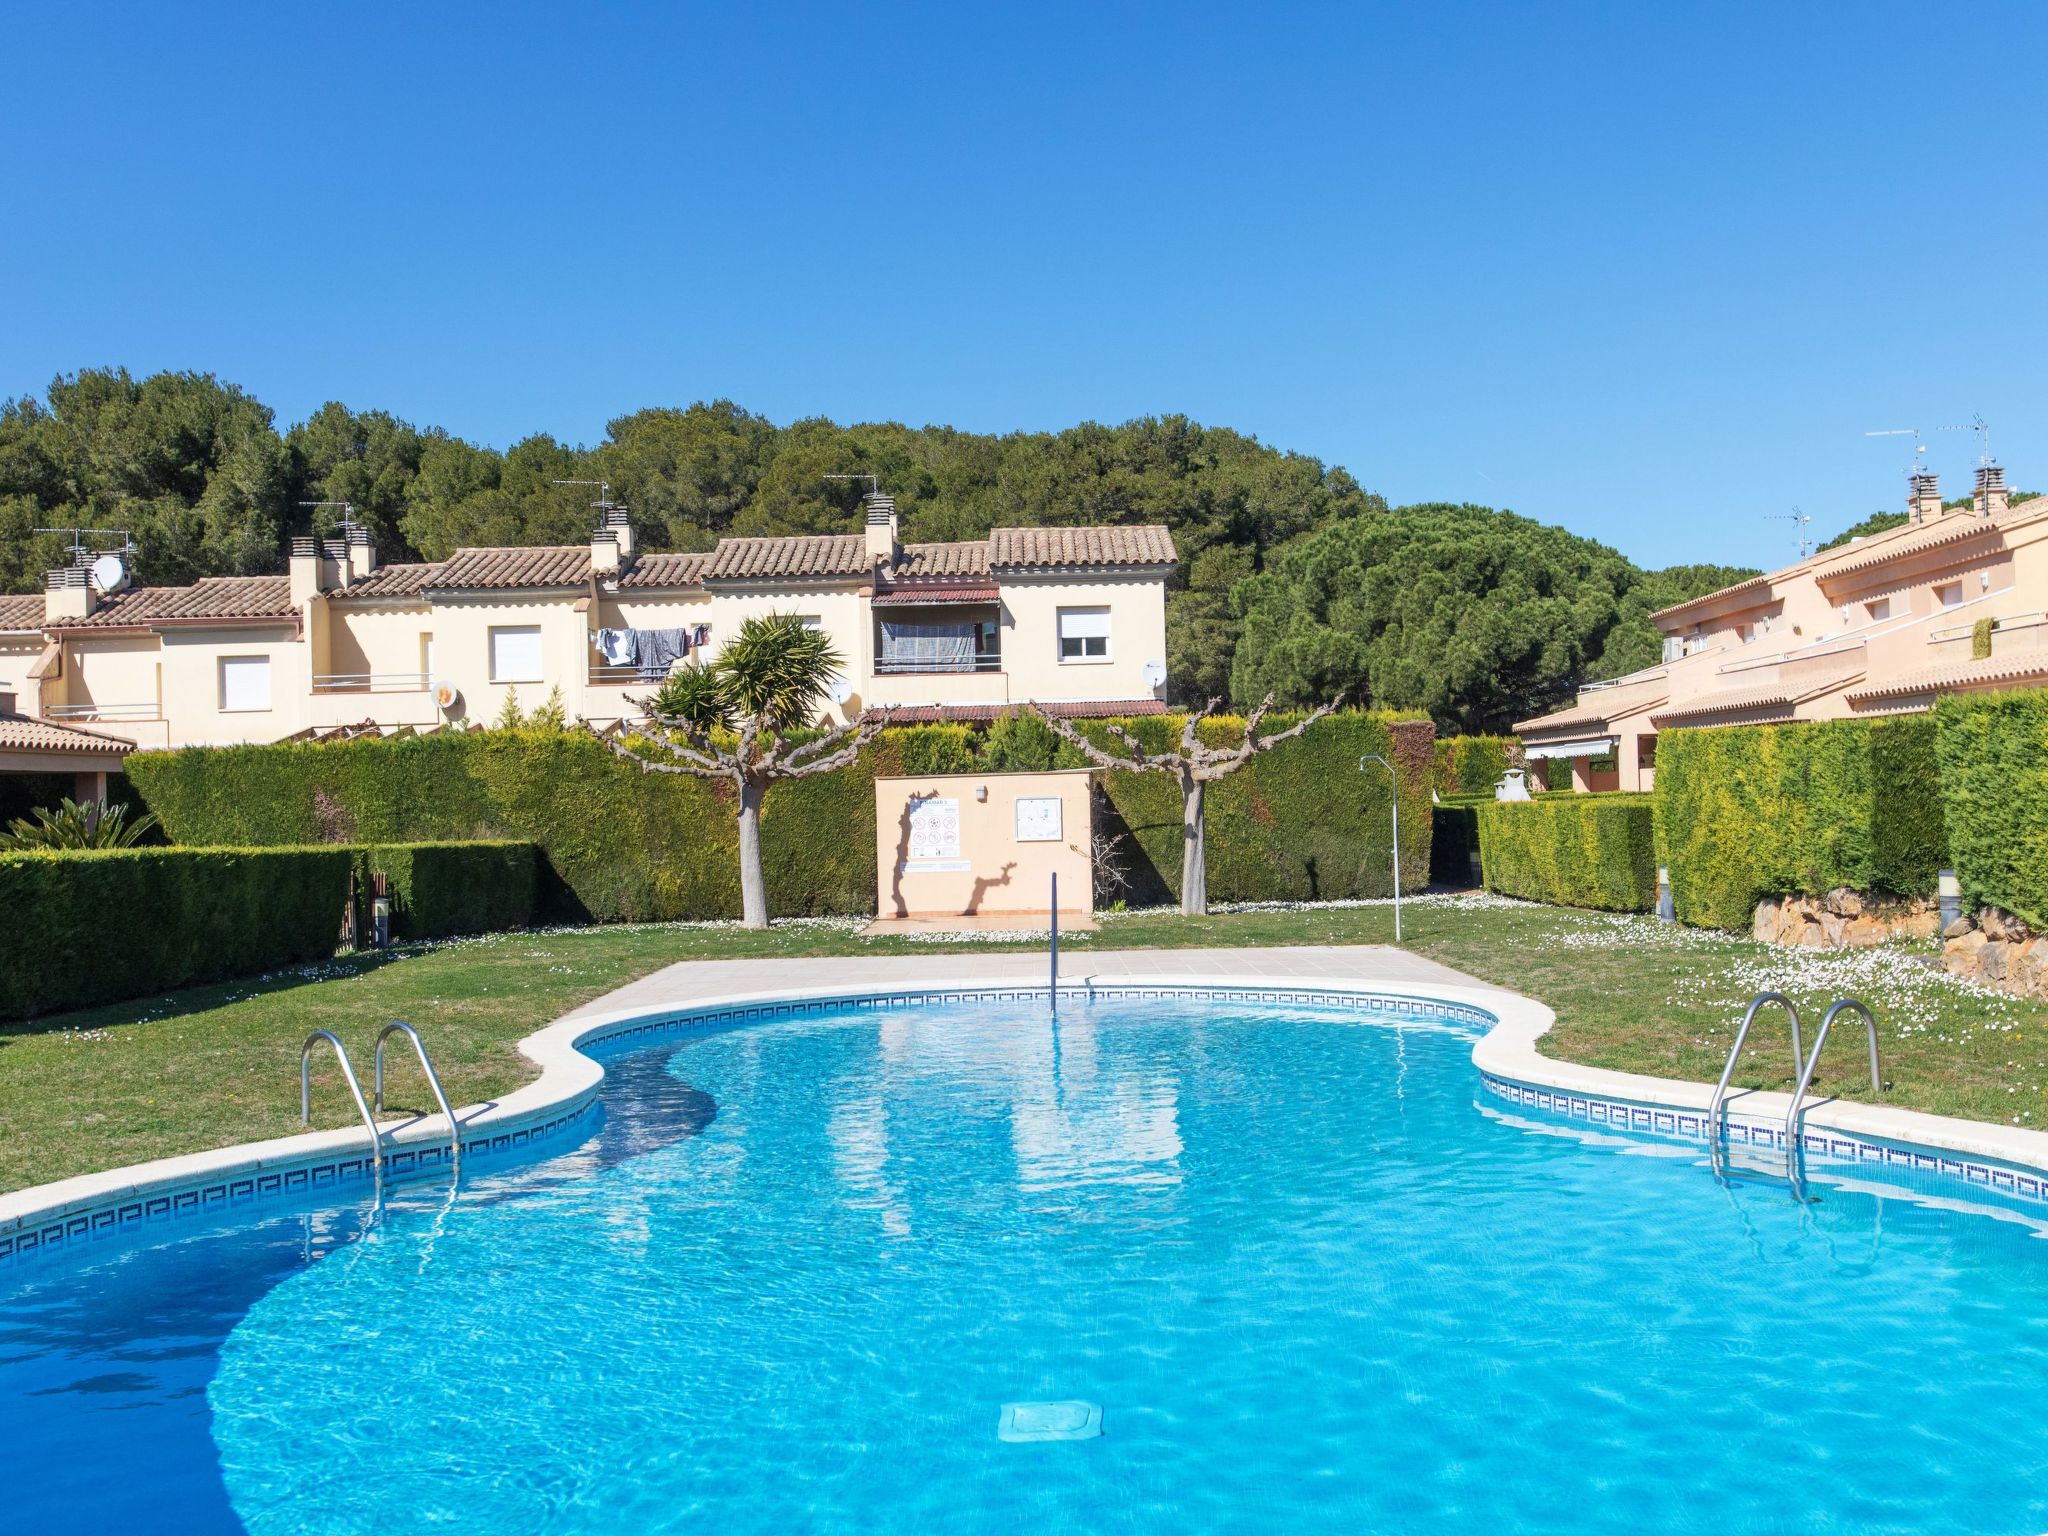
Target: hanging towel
pixel 618 647
pixel 660 649
pixel 701 636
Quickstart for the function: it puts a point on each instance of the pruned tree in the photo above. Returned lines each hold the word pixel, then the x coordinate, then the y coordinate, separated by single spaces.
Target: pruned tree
pixel 742 719
pixel 1195 765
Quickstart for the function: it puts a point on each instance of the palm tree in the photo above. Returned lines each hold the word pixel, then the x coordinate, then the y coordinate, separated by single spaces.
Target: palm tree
pixel 95 824
pixel 745 718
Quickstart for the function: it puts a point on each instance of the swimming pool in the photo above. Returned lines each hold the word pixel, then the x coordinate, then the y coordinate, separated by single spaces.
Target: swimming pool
pixel 1312 1277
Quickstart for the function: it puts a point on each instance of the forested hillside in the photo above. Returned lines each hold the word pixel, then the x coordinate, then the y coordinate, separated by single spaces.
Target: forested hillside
pixel 1475 615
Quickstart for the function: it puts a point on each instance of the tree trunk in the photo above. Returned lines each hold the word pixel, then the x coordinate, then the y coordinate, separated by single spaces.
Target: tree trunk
pixel 1194 864
pixel 753 888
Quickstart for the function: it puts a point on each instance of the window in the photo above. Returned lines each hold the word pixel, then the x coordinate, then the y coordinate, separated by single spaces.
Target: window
pixel 515 654
pixel 427 658
pixel 812 622
pixel 1879 609
pixel 1084 634
pixel 244 683
pixel 1949 595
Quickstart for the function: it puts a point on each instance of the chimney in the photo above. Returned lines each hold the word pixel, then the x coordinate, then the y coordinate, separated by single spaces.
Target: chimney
pixel 620 524
pixel 67 595
pixel 1990 496
pixel 362 554
pixel 1924 499
pixel 309 580
pixel 882 546
pixel 7 701
pixel 604 552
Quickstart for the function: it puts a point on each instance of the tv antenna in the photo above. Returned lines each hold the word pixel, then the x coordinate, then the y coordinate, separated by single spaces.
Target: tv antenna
pixel 604 502
pixel 348 514
pixel 874 481
pixel 1919 444
pixel 80 535
pixel 1982 428
pixel 1801 519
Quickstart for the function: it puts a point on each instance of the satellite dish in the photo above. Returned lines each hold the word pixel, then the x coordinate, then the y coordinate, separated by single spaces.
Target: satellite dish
pixel 447 695
pixel 842 690
pixel 1155 673
pixel 110 573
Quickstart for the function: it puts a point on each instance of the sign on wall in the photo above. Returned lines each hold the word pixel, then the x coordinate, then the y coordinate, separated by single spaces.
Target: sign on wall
pixel 934 830
pixel 1038 818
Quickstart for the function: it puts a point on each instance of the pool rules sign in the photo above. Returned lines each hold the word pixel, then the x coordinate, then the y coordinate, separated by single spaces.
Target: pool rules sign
pixel 934 834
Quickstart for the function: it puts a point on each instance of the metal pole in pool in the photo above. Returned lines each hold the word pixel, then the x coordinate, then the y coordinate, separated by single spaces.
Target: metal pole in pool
pixel 1394 795
pixel 1052 990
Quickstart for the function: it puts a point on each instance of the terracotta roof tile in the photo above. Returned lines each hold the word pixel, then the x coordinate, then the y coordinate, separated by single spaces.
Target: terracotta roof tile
pixel 936 592
pixel 1716 595
pixel 19 733
pixel 1141 544
pixel 211 597
pixel 24 612
pixel 667 570
pixel 1597 708
pixel 393 581
pixel 923 561
pixel 539 565
pixel 1987 672
pixel 826 554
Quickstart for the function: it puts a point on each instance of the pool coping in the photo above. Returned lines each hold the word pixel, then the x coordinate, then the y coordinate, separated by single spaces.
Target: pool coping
pixel 566 1089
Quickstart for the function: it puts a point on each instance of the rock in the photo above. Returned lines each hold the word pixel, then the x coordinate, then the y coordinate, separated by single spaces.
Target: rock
pixel 1763 924
pixel 2001 924
pixel 1958 928
pixel 2026 969
pixel 1993 958
pixel 1843 902
pixel 1959 955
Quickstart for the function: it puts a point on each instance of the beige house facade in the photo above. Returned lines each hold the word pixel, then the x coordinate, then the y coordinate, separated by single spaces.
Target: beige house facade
pixel 1072 618
pixel 1883 625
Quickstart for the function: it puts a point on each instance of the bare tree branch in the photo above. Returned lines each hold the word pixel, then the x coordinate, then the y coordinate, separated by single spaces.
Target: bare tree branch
pixel 685 761
pixel 1099 756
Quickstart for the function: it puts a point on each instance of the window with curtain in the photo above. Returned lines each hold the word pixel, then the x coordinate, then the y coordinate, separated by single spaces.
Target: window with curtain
pixel 937 647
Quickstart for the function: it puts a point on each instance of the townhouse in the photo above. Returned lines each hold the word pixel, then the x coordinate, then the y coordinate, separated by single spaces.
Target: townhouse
pixel 1073 618
pixel 1881 625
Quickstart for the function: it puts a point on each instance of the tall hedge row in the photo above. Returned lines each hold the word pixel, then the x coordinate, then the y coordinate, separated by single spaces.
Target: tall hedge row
pixel 81 928
pixel 1572 850
pixel 440 890
pixel 1745 812
pixel 1473 765
pixel 622 844
pixel 1993 751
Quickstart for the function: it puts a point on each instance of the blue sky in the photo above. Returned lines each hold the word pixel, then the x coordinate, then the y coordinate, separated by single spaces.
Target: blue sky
pixel 1649 271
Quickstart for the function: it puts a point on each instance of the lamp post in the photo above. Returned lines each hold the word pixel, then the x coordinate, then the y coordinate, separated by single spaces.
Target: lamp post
pixel 1394 796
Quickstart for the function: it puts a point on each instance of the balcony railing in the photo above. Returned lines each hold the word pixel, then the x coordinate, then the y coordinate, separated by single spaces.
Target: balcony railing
pixel 630 675
pixel 980 661
pixel 372 682
pixel 102 712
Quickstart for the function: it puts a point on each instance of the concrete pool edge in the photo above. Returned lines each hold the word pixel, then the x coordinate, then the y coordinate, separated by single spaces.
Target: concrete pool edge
pixel 1510 1066
pixel 117 1199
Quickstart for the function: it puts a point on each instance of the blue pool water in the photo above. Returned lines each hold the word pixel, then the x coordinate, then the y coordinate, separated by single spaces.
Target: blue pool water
pixel 1313 1277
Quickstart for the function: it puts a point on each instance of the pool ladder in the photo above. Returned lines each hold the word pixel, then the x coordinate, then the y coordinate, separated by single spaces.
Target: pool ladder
pixel 1803 1068
pixel 355 1089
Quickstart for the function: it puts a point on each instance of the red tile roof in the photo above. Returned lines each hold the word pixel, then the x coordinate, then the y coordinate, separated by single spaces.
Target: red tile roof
pixel 1984 673
pixel 669 570
pixel 393 581
pixel 1141 544
pixel 833 555
pixel 24 612
pixel 935 592
pixel 920 561
pixel 232 599
pixel 539 565
pixel 19 733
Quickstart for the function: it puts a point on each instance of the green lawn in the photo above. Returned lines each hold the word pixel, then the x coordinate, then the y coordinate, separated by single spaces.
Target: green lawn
pixel 216 1065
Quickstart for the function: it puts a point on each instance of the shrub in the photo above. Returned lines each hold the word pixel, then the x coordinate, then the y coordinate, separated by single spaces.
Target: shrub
pixel 1473 765
pixel 1746 812
pixel 1993 751
pixel 439 890
pixel 620 844
pixel 98 926
pixel 1572 850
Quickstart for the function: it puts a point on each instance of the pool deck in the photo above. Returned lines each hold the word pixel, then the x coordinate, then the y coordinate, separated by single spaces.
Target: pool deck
pixel 695 981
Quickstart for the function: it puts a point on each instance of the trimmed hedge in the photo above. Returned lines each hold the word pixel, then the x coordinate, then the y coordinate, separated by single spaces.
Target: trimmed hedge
pixel 439 890
pixel 101 926
pixel 1993 752
pixel 1473 765
pixel 1572 850
pixel 1750 811
pixel 620 844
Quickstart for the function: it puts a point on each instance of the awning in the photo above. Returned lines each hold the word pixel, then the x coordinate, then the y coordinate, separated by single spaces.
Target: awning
pixel 1593 746
pixel 903 597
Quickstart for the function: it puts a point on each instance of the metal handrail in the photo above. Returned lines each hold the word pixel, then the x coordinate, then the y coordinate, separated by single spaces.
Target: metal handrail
pixel 433 1081
pixel 1813 1062
pixel 355 1091
pixel 372 682
pixel 1715 1124
pixel 103 711
pixel 981 661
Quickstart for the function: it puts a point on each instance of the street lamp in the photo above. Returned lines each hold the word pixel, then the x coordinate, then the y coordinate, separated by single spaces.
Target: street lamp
pixel 1394 795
